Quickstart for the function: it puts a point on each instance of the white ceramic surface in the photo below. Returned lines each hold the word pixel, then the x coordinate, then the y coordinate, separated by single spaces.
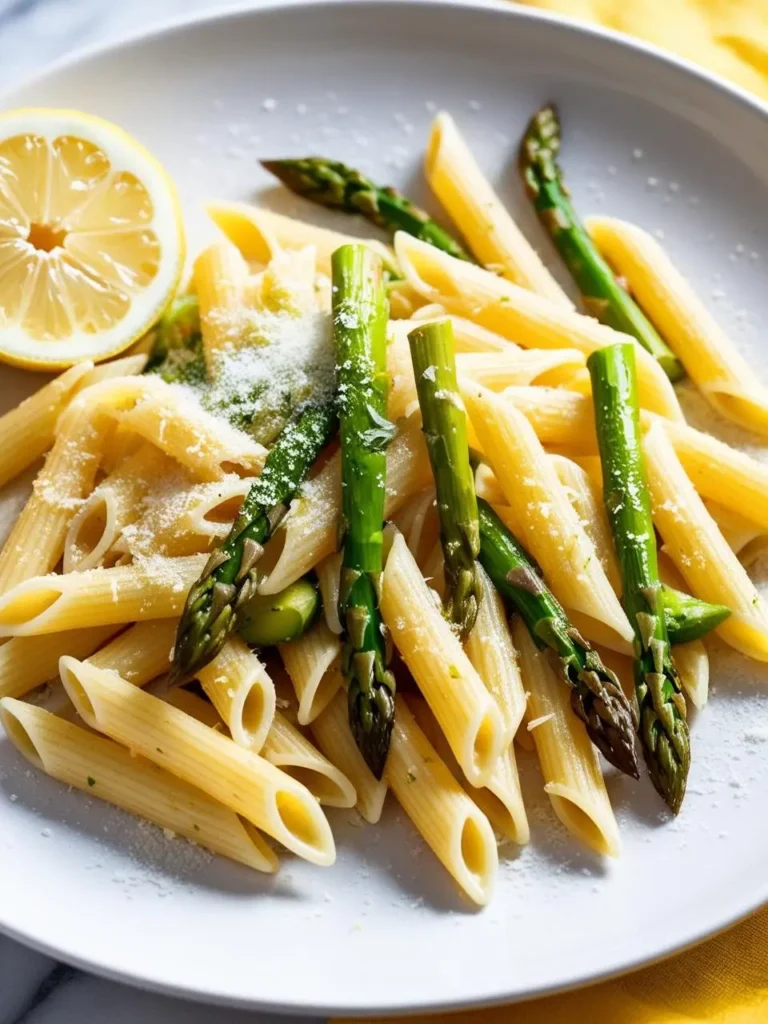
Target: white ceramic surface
pixel 384 930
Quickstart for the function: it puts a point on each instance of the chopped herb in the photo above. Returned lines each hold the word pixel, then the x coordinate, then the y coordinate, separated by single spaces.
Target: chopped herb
pixel 411 776
pixel 91 780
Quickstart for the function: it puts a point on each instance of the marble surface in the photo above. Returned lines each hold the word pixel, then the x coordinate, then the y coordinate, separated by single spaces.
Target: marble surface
pixel 33 988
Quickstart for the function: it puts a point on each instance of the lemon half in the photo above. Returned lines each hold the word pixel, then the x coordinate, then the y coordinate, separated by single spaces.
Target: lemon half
pixel 91 238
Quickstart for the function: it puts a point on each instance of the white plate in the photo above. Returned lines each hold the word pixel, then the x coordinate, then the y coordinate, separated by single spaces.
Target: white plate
pixel 384 930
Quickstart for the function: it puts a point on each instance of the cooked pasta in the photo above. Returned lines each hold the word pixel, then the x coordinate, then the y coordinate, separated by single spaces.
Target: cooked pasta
pixel 572 777
pixel 27 662
pixel 700 552
pixel 495 239
pixel 312 662
pixel 239 687
pixel 154 589
pixel 104 769
pixel 549 526
pixel 466 711
pixel 173 740
pixel 714 363
pixel 454 828
pixel 528 319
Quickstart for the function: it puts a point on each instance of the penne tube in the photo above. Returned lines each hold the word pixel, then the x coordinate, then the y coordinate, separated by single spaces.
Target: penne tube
pixel 240 688
pixel 115 504
pixel 125 366
pixel 698 549
pixel 173 740
pixel 286 748
pixel 139 654
pixel 564 419
pixel 548 526
pixel 28 429
pixel 494 370
pixel 467 335
pixel 308 533
pixel 261 234
pixel 104 769
pixel 569 764
pixel 711 359
pixel 501 801
pixel 487 486
pixel 746 539
pixel 466 711
pixel 588 505
pixel 495 239
pixel 454 828
pixel 155 589
pixel 328 574
pixel 333 736
pixel 313 663
pixel 527 319
pixel 490 649
pixel 419 524
pixel 36 542
pixel 27 662
pixel 184 520
pixel 220 275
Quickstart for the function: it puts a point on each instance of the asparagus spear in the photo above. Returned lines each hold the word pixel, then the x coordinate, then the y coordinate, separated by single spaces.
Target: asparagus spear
pixel 360 327
pixel 229 580
pixel 445 429
pixel 663 728
pixel 269 619
pixel 177 350
pixel 339 187
pixel 596 694
pixel 603 295
pixel 688 618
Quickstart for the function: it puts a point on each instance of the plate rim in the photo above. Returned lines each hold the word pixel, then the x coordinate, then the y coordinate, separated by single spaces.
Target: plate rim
pixel 619 41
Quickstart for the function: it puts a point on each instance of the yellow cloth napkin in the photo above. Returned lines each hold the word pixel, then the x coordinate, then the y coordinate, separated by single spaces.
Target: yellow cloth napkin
pixel 724 980
pixel 730 37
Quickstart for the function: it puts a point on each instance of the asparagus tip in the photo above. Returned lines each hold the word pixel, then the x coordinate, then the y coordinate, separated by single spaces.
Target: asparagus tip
pixel 371 717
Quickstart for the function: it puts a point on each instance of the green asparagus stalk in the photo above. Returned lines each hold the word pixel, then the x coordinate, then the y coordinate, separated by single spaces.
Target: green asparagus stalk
pixel 688 618
pixel 177 349
pixel 339 187
pixel 596 694
pixel 603 296
pixel 663 727
pixel 360 327
pixel 215 602
pixel 269 619
pixel 444 422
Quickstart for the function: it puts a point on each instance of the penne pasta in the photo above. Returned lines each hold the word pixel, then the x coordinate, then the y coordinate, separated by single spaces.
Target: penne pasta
pixel 155 589
pixel 27 662
pixel 114 505
pixel 713 362
pixel 454 828
pixel 588 505
pixel 312 662
pixel 239 687
pixel 286 748
pixel 308 534
pixel 139 654
pixel 36 542
pixel 220 274
pixel 698 549
pixel 261 234
pixel 328 574
pixel 501 801
pixel 569 764
pixel 548 526
pixel 490 649
pixel 238 778
pixel 456 179
pixel 419 524
pixel 528 319
pixel 334 737
pixel 466 711
pixel 747 540
pixel 104 769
